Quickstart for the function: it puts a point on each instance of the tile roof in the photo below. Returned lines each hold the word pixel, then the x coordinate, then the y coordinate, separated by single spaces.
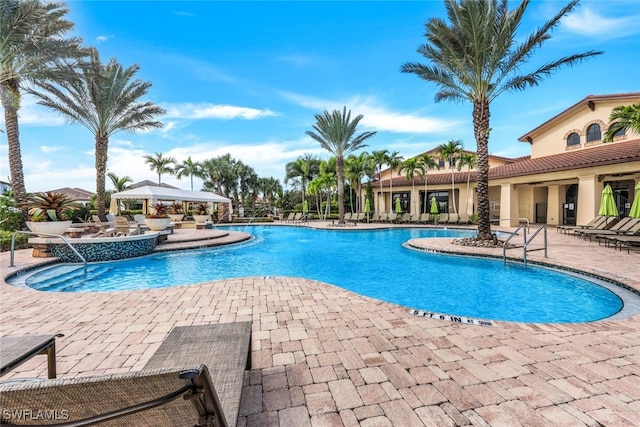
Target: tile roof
pixel 149 183
pixel 605 154
pixel 75 193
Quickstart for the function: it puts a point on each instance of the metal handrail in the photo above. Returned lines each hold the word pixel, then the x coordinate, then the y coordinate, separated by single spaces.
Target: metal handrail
pixel 525 243
pixel 13 243
pixel 509 219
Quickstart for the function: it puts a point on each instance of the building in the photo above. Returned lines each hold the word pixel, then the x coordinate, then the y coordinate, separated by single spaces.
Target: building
pixel 77 194
pixel 4 187
pixel 560 182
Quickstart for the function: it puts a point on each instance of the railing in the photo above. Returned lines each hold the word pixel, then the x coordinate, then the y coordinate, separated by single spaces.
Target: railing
pixel 13 244
pixel 526 220
pixel 525 242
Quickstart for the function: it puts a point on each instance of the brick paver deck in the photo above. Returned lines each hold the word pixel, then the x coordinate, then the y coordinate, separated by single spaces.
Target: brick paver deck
pixel 324 356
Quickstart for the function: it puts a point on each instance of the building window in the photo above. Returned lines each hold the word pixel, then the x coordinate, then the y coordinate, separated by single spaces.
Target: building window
pixel 593 133
pixel 441 163
pixel 620 132
pixel 573 140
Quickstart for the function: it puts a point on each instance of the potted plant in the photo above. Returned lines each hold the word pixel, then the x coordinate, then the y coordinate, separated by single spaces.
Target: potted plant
pixel 175 212
pixel 49 212
pixel 201 213
pixel 159 219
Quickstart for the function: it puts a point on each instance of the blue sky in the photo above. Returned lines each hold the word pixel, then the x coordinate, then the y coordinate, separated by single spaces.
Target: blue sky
pixel 246 78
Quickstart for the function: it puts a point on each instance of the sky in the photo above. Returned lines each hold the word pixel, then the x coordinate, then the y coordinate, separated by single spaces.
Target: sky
pixel 247 78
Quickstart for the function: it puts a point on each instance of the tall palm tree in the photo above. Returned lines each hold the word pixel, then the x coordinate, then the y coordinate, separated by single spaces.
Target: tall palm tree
pixel 335 131
pixel 450 152
pixel 394 160
pixel 105 99
pixel 624 118
pixel 469 160
pixel 479 56
pixel 189 168
pixel 379 159
pixel 428 162
pixel 412 167
pixel 160 164
pixel 33 47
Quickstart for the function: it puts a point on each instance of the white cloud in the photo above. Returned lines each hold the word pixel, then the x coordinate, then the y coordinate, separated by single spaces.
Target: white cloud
pixel 50 149
pixel 588 22
pixel 101 39
pixel 31 113
pixel 215 112
pixel 377 116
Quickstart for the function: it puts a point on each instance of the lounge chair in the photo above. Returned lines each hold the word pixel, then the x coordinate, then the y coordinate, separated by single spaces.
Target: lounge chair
pixel 383 217
pixel 171 390
pixel 375 217
pixel 443 218
pixel 627 241
pixel 392 217
pixel 347 216
pixel 290 217
pixel 566 228
pixel 463 219
pixel 124 227
pixel 424 217
pixel 604 225
pixel 415 218
pixel 453 218
pixel 629 228
pixel 406 217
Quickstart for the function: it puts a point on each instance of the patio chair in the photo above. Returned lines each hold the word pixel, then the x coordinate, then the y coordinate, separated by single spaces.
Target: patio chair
pixel 405 217
pixel 566 228
pixel 375 217
pixel 463 219
pixel 443 218
pixel 392 217
pixel 383 217
pixel 124 227
pixel 290 217
pixel 627 241
pixel 453 218
pixel 629 228
pixel 424 217
pixel 171 390
pixel 602 225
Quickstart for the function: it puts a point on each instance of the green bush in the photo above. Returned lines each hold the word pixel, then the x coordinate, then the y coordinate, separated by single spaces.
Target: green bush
pixel 10 215
pixel 5 241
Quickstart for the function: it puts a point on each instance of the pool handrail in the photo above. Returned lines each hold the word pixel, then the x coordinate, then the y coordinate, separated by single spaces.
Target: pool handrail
pixel 13 243
pixel 526 242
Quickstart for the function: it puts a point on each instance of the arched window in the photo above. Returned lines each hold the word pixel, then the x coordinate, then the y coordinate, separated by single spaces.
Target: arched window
pixel 620 132
pixel 573 139
pixel 593 133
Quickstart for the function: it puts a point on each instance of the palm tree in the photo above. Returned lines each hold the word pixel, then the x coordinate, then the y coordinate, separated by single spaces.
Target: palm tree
pixel 189 168
pixel 428 162
pixel 120 184
pixel 335 132
pixel 412 167
pixel 478 57
pixel 356 168
pixel 394 160
pixel 304 168
pixel 160 164
pixel 624 118
pixel 32 48
pixel 104 99
pixel 451 153
pixel 469 160
pixel 379 159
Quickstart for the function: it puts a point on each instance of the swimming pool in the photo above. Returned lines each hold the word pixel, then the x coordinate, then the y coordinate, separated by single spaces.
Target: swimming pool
pixel 372 263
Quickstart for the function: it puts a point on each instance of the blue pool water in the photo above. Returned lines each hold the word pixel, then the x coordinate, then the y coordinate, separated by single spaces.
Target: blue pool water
pixel 371 263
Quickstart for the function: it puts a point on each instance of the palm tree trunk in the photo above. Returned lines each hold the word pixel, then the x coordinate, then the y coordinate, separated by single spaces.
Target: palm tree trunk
pixel 9 93
pixel 481 131
pixel 425 192
pixel 102 144
pixel 340 173
pixel 453 191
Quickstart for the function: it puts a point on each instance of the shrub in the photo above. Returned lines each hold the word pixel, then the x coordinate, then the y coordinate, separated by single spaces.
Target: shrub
pixel 5 241
pixel 10 215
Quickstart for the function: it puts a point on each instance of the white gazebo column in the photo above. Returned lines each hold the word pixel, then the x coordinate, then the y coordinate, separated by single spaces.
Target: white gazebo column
pixel 508 205
pixel 589 193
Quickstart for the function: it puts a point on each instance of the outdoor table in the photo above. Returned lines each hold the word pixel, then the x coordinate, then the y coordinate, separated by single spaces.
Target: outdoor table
pixel 15 350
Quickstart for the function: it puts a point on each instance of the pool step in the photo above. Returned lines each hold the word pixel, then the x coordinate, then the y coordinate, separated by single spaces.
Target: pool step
pixel 67 281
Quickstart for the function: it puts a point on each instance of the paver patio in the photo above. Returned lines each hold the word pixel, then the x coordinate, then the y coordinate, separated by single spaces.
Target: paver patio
pixel 324 356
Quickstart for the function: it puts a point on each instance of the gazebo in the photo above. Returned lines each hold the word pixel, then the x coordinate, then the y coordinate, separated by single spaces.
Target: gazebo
pixel 151 195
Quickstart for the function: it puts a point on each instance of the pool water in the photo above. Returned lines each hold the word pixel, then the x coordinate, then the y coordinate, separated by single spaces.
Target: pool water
pixel 372 263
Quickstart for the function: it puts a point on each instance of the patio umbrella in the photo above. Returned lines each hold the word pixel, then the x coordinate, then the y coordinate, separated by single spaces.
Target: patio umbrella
pixel 607 203
pixel 398 206
pixel 367 208
pixel 635 207
pixel 434 206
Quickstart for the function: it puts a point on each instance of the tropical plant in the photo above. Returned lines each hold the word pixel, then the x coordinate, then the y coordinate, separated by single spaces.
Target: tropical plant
pixel 50 206
pixel 201 209
pixel 479 56
pixel 624 118
pixel 394 160
pixel 450 152
pixel 33 47
pixel 10 215
pixel 160 164
pixel 175 208
pixel 412 167
pixel 161 210
pixel 335 131
pixel 303 169
pixel 189 168
pixel 119 183
pixel 104 99
pixel 356 168
pixel 427 161
pixel 379 159
pixel 469 160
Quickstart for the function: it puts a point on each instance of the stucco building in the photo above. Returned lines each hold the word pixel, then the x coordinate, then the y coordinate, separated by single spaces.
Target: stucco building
pixel 560 182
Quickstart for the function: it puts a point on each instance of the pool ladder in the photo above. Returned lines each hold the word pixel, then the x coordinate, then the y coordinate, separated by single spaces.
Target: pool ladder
pixel 526 242
pixel 13 244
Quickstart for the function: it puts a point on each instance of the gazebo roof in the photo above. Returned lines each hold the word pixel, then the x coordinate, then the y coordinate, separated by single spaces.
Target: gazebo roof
pixel 168 194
